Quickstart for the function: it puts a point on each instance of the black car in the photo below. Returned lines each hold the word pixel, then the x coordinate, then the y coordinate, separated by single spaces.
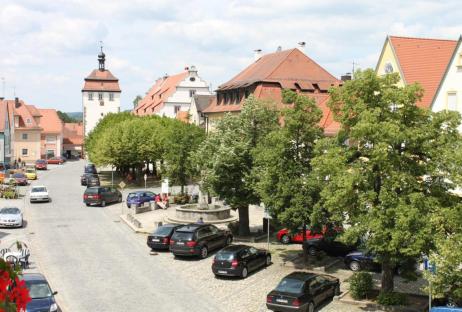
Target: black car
pixel 99 195
pixel 42 297
pixel 359 260
pixel 90 168
pixel 302 291
pixel 89 179
pixel 332 246
pixel 160 238
pixel 198 240
pixel 239 260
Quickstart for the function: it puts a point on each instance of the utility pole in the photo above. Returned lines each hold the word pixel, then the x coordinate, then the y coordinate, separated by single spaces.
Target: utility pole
pixel 353 70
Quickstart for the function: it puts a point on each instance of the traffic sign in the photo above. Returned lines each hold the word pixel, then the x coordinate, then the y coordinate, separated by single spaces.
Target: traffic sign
pixel 122 184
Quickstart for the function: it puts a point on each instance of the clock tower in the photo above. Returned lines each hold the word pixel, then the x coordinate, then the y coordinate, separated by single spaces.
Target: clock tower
pixel 100 95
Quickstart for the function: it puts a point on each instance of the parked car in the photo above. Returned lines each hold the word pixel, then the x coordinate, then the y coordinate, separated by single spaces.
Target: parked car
pixel 361 260
pixel 239 260
pixel 198 240
pixel 89 179
pixel 446 309
pixel 328 244
pixel 138 198
pixel 160 238
pixel 41 164
pixel 99 195
pixel 19 178
pixel 302 291
pixel 55 160
pixel 42 297
pixel 11 217
pixel 286 237
pixel 39 193
pixel 90 168
pixel 31 173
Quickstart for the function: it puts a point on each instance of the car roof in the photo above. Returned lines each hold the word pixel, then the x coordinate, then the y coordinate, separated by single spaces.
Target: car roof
pixel 37 186
pixel 234 248
pixel 191 227
pixel 33 277
pixel 10 208
pixel 300 275
pixel 138 192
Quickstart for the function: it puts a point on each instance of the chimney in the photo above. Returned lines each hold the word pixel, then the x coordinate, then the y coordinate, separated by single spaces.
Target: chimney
pixel 16 102
pixel 257 54
pixel 301 46
pixel 1 98
pixel 279 49
pixel 346 77
pixel 192 70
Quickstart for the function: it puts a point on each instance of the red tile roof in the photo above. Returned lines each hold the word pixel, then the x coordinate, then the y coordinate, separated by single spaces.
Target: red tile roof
pixel 26 115
pixel 424 61
pixel 101 80
pixel 287 68
pixel 155 99
pixel 50 121
pixel 73 133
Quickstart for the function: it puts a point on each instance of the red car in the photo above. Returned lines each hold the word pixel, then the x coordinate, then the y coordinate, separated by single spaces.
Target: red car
pixel 20 178
pixel 286 238
pixel 55 160
pixel 41 164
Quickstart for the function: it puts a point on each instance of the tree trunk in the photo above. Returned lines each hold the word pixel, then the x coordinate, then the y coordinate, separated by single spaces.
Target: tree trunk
pixel 244 229
pixel 387 275
pixel 305 252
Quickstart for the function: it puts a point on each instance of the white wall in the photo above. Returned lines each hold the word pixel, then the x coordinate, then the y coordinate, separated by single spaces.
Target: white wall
pixel 93 111
pixel 452 83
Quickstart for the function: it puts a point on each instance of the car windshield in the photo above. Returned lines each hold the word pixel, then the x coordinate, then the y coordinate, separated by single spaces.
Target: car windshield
pixel 38 290
pixel 224 256
pixel 289 285
pixel 30 171
pixel 183 235
pixel 163 230
pixel 40 161
pixel 9 211
pixel 132 195
pixel 38 189
pixel 18 175
pixel 92 190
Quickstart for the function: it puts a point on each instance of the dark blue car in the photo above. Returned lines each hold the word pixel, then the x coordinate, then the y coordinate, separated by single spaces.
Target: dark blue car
pixel 40 292
pixel 446 309
pixel 139 198
pixel 359 260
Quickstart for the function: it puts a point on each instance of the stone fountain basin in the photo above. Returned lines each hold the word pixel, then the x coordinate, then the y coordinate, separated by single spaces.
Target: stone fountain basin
pixel 189 214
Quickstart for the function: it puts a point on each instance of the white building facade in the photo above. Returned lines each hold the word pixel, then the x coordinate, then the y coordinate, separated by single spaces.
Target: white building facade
pixel 100 95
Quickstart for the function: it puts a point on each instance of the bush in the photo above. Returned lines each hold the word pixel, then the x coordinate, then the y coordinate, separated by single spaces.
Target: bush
pixel 360 285
pixel 391 298
pixel 181 199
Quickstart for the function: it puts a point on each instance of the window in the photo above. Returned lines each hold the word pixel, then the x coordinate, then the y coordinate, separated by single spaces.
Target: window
pixel 247 93
pixel 102 114
pixel 24 152
pixel 111 96
pixel 452 101
pixel 28 121
pixel 24 136
pixel 191 93
pixel 101 103
pixel 100 96
pixel 90 96
pixel 177 108
pixel 192 79
pixel 51 138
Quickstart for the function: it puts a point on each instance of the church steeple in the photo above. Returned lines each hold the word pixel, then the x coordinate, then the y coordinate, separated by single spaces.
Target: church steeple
pixel 101 58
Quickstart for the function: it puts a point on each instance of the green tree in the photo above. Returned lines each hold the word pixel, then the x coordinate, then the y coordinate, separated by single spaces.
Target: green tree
pixel 136 100
pixel 225 158
pixel 283 162
pixel 65 117
pixel 384 174
pixel 181 140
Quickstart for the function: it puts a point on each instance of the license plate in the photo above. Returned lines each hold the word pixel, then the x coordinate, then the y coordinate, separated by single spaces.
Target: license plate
pixel 222 272
pixel 180 243
pixel 156 240
pixel 282 300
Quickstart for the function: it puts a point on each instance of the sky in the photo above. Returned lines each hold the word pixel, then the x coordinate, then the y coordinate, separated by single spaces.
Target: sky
pixel 48 47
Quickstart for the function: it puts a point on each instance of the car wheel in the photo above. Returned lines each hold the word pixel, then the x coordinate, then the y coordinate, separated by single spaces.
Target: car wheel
pixel 285 239
pixel 88 205
pixel 336 290
pixel 311 307
pixel 204 252
pixel 229 240
pixel 103 203
pixel 354 266
pixel 312 251
pixel 268 260
pixel 244 272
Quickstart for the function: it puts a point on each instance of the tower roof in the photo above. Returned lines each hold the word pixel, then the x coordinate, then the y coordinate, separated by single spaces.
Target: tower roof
pixel 101 80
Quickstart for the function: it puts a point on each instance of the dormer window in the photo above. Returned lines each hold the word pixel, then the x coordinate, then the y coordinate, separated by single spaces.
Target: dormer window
pixel 28 121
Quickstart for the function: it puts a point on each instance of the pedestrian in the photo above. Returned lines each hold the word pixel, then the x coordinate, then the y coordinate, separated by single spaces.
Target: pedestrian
pixel 200 221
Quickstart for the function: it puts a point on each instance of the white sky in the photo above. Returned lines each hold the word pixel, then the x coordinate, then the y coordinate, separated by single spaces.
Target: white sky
pixel 48 47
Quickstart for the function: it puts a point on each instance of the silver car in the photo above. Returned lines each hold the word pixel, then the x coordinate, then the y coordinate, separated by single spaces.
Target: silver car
pixel 10 217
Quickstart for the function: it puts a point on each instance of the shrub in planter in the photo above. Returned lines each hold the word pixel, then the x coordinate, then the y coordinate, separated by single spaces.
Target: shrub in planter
pixel 181 199
pixel 391 298
pixel 360 285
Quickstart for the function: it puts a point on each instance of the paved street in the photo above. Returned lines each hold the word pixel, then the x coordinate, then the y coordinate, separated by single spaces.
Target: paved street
pixel 98 264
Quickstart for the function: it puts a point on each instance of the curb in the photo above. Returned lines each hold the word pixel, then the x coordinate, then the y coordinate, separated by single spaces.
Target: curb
pixel 131 226
pixel 377 306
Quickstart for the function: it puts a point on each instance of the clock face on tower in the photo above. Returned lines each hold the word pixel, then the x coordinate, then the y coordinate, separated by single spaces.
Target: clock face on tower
pixel 388 68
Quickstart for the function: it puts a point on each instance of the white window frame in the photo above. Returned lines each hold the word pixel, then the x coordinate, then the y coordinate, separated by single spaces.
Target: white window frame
pixel 449 106
pixel 111 96
pixel 100 96
pixel 90 96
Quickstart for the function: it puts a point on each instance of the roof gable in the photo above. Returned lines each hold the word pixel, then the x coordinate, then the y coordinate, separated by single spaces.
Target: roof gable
pixel 424 61
pixel 50 121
